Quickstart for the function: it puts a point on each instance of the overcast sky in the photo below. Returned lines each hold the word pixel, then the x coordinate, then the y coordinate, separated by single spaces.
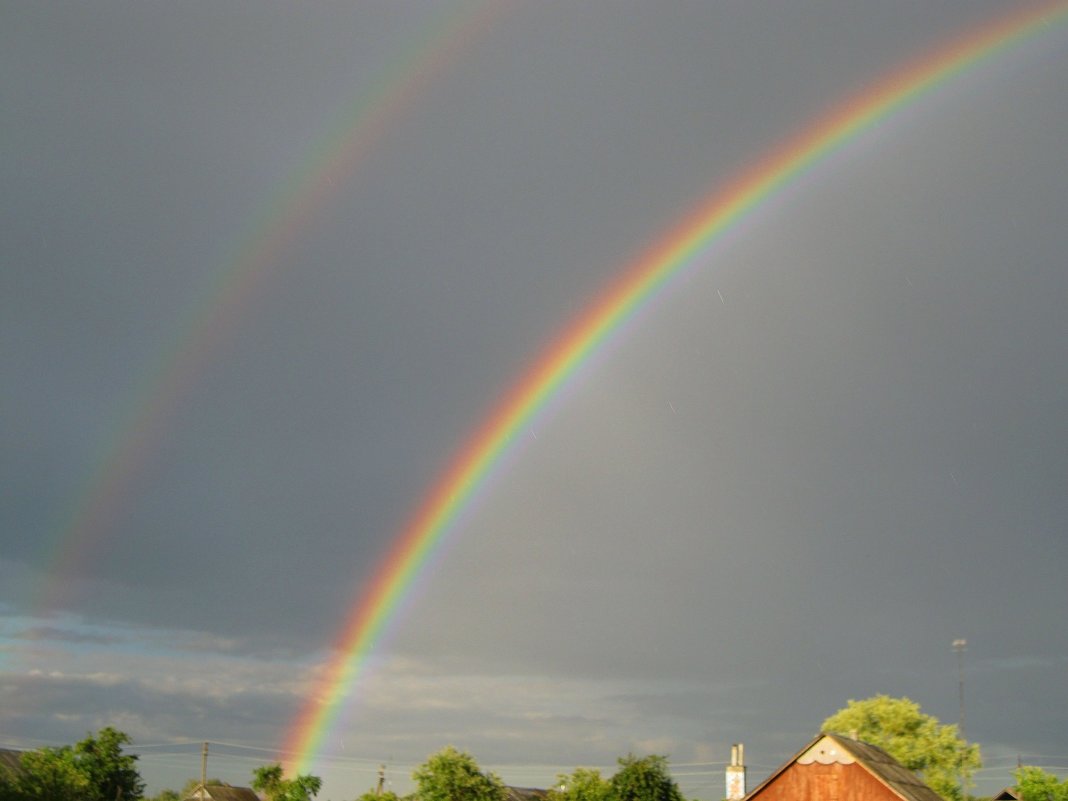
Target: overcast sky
pixel 837 445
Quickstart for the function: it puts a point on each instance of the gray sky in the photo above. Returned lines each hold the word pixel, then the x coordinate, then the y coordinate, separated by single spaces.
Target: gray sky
pixel 831 449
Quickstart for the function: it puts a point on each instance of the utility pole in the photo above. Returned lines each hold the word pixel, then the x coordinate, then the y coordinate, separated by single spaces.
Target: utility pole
pixel 204 771
pixel 959 646
pixel 381 779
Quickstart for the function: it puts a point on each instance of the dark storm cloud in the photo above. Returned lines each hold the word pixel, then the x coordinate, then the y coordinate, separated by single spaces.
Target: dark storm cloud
pixel 63 635
pixel 78 702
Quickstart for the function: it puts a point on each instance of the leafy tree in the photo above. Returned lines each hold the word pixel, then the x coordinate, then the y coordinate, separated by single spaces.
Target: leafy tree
pixel 385 795
pixel 48 774
pixel 451 775
pixel 584 784
pixel 1035 784
pixel 920 742
pixel 93 770
pixel 112 775
pixel 643 779
pixel 168 795
pixel 269 780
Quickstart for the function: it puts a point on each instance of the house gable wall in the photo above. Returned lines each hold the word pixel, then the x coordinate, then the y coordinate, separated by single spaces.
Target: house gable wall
pixel 825 782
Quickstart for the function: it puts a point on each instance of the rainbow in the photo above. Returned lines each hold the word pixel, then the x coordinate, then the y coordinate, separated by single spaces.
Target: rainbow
pixel 257 251
pixel 683 246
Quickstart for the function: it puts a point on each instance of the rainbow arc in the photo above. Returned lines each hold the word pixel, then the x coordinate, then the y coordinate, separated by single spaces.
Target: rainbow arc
pixel 689 243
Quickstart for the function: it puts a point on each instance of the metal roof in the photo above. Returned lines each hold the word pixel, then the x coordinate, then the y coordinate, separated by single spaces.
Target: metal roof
pixel 11 760
pixel 887 769
pixel 222 792
pixel 525 793
pixel 903 782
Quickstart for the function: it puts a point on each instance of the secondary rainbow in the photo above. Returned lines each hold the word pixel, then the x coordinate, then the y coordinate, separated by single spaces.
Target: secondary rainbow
pixel 257 252
pixel 684 245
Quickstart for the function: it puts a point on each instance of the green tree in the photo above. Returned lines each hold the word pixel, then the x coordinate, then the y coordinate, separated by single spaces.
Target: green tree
pixel 935 751
pixel 48 774
pixel 93 770
pixel 451 775
pixel 112 774
pixel 643 779
pixel 1035 784
pixel 385 795
pixel 270 781
pixel 168 795
pixel 584 784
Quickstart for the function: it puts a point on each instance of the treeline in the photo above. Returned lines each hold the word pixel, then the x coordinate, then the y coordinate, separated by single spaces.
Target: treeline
pixel 93 770
pixel 452 775
pixel 96 769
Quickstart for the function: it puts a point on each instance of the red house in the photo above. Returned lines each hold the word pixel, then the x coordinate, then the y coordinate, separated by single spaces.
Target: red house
pixel 836 768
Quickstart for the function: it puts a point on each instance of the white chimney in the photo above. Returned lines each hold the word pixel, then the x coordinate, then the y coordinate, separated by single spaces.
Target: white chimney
pixel 736 773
